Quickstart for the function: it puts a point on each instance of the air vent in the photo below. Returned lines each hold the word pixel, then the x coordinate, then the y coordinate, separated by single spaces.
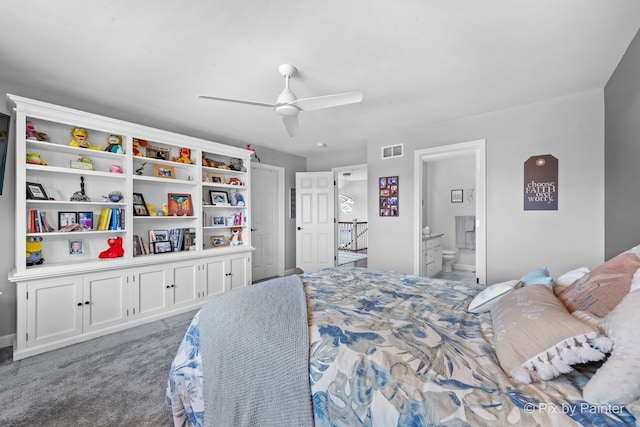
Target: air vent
pixel 392 151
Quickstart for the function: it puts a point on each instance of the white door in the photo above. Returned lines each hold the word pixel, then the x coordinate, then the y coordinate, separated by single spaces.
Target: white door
pixel 267 221
pixel 315 220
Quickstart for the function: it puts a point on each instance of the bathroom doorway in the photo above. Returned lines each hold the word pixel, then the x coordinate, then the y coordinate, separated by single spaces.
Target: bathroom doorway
pixel 450 182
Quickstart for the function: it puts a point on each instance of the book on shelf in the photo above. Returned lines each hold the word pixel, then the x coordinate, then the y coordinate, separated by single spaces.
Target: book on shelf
pixel 37 222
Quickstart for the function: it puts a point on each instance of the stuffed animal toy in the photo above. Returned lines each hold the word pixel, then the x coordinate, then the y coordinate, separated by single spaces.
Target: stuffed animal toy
pixel 34 250
pixel 138 143
pixel 34 135
pixel 114 144
pixel 79 139
pixel 35 159
pixel 114 250
pixel 208 162
pixel 185 156
pixel 152 209
pixel 236 236
pixel 237 165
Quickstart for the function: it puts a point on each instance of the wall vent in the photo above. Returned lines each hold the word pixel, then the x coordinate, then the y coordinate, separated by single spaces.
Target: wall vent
pixel 391 151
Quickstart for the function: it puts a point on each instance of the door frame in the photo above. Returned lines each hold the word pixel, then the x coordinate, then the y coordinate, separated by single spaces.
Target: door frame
pixel 478 148
pixel 280 207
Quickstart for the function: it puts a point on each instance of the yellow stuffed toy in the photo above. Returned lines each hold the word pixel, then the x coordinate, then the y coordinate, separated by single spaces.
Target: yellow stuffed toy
pixel 79 139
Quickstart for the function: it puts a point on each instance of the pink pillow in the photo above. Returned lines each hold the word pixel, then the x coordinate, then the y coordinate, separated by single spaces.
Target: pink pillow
pixel 600 290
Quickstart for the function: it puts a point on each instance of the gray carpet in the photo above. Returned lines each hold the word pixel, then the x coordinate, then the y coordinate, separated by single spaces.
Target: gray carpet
pixel 116 380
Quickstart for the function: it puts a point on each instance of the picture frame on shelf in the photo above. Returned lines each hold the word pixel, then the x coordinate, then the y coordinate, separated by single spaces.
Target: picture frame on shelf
pixel 139 205
pixel 159 153
pixel 35 191
pixel 164 171
pixel 161 246
pixel 67 219
pixel 215 178
pixel 179 204
pixel 76 247
pixel 218 220
pixel 218 240
pixel 219 198
pixel 158 235
pixel 85 219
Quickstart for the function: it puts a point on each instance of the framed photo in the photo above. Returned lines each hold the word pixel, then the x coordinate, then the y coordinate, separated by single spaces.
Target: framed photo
pixel 218 240
pixel 218 220
pixel 157 152
pixel 85 219
pixel 161 246
pixel 67 219
pixel 75 247
pixel 139 205
pixel 158 235
pixel 179 204
pixel 164 171
pixel 456 196
pixel 219 197
pixel 388 196
pixel 36 191
pixel 216 178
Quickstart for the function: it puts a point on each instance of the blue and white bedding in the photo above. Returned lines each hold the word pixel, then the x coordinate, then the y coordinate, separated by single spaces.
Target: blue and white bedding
pixel 389 349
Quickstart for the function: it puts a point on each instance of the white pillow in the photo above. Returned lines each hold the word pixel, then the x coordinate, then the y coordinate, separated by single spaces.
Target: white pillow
pixel 568 278
pixel 617 382
pixel 486 298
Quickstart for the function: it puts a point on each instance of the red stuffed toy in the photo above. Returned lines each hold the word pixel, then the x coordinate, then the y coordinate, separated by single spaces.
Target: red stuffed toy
pixel 115 249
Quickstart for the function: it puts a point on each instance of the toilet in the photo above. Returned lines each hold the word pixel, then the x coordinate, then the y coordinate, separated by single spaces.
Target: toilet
pixel 448 258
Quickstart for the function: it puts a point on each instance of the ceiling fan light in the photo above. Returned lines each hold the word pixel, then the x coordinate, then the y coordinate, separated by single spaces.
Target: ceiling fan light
pixel 287 110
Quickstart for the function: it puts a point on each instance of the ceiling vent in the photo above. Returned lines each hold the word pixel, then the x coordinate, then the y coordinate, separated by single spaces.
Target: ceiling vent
pixel 391 151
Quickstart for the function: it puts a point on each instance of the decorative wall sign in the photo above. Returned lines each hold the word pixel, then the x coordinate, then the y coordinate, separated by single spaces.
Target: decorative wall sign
pixel 388 190
pixel 541 183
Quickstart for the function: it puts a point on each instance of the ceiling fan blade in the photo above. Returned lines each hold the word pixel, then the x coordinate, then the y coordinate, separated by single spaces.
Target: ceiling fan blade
pixel 292 125
pixel 239 101
pixel 327 101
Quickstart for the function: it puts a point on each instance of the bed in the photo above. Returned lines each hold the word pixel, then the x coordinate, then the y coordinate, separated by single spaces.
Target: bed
pixel 391 349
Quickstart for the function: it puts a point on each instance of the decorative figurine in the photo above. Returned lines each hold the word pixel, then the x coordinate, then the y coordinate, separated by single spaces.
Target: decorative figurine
pixel 79 139
pixel 115 169
pixel 80 196
pixel 140 170
pixel 236 236
pixel 138 143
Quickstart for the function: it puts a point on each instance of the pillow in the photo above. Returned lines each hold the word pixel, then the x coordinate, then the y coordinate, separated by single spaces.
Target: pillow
pixel 539 276
pixel 600 290
pixel 617 382
pixel 488 296
pixel 568 278
pixel 537 339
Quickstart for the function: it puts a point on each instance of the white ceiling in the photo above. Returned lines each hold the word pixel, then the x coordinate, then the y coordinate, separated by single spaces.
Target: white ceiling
pixel 417 61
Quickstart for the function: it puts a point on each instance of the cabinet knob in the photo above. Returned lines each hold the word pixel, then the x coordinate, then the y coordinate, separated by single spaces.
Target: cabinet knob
pixel 86 303
pixel 79 304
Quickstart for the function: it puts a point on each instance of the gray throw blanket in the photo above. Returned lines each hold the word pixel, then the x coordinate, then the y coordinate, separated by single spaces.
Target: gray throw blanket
pixel 255 356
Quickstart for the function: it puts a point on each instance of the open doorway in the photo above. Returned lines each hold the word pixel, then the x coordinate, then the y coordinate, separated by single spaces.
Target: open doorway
pixel 456 203
pixel 351 214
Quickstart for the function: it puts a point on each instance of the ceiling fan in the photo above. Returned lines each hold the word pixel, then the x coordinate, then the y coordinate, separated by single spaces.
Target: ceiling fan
pixel 287 106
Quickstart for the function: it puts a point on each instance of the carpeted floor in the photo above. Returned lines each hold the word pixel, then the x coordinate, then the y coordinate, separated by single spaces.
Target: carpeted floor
pixel 116 380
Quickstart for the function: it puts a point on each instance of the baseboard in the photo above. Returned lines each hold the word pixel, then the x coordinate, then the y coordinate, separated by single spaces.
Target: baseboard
pixel 464 267
pixel 7 340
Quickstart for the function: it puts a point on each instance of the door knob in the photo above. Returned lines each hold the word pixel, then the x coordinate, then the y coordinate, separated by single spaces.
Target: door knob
pixel 299 228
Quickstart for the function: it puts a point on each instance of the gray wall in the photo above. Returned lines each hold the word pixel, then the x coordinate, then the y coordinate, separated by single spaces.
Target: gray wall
pixel 570 128
pixel 622 152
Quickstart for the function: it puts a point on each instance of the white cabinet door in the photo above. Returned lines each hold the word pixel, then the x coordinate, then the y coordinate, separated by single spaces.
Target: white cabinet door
pixel 184 280
pixel 239 271
pixel 54 310
pixel 105 300
pixel 215 273
pixel 150 292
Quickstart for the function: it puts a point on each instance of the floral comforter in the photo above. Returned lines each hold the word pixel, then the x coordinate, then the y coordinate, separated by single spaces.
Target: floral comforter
pixel 389 349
